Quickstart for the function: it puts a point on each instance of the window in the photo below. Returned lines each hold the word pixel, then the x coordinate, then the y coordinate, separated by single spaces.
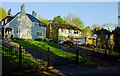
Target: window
pixel 38 34
pixel 6 20
pixel 75 32
pixel 111 36
pixel 35 24
pixel 106 36
pixel 61 30
pixel 2 22
pixel 17 31
pixel 69 31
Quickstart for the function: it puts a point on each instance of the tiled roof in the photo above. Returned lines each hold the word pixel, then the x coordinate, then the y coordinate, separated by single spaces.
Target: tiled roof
pixel 64 26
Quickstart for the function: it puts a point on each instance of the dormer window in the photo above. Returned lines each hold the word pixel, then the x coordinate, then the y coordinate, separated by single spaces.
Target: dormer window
pixel 6 20
pixel 2 22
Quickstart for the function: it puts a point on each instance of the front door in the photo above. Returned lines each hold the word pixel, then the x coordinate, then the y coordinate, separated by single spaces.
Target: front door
pixel 8 33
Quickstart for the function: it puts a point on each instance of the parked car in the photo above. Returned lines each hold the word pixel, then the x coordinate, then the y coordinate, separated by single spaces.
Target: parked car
pixel 68 42
pixel 79 43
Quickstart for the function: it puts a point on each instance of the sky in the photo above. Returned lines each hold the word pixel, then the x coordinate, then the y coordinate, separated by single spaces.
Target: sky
pixel 89 12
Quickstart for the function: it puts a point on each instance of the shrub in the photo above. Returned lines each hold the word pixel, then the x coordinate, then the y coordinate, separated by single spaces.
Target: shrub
pixel 39 39
pixel 46 39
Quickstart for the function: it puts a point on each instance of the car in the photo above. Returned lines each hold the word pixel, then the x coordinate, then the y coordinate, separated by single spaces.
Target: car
pixel 78 43
pixel 68 42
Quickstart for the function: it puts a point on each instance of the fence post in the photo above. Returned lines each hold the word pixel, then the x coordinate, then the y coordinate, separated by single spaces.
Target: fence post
pixel 105 54
pixel 93 54
pixel 77 59
pixel 20 59
pixel 48 59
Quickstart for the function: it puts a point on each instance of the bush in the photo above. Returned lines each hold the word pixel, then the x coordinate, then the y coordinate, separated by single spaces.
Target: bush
pixel 39 39
pixel 90 45
pixel 46 39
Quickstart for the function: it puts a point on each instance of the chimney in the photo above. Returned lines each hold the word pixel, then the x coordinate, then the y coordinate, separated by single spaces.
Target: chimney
pixel 34 14
pixel 23 8
pixel 9 12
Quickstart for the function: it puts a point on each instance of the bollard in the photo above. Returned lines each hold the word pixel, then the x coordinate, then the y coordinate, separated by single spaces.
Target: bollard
pixel 77 59
pixel 105 54
pixel 20 59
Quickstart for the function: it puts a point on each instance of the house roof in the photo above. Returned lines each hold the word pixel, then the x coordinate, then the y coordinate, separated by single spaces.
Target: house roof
pixel 32 18
pixel 9 19
pixel 104 31
pixel 64 26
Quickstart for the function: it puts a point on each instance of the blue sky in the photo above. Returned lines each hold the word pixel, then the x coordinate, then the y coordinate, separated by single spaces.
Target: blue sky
pixel 89 12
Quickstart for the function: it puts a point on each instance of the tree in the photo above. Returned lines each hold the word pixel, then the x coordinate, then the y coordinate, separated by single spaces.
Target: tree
pixel 117 38
pixel 87 31
pixel 95 26
pixel 73 20
pixel 58 20
pixel 3 13
pixel 109 26
pixel 45 21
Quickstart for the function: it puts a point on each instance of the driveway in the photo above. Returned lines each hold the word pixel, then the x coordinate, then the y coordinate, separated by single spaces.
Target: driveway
pixel 72 69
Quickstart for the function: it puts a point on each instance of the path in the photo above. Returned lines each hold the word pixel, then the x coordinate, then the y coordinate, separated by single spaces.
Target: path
pixel 72 69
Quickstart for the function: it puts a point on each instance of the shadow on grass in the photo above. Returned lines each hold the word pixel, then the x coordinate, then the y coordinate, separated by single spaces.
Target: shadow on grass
pixel 56 53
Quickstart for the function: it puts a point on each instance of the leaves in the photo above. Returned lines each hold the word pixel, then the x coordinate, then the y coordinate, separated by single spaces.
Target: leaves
pixel 87 31
pixel 45 21
pixel 73 20
pixel 58 20
pixel 3 14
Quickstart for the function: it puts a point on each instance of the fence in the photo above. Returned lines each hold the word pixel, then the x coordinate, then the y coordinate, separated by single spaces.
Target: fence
pixel 62 57
pixel 16 58
pixel 11 59
pixel 96 55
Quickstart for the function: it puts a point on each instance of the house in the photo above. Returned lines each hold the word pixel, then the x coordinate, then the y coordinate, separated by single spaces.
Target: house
pixel 104 36
pixel 23 25
pixel 62 32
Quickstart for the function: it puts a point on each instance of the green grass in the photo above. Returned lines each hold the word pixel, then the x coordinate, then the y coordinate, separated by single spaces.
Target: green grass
pixel 55 51
pixel 12 57
pixel 108 51
pixel 42 47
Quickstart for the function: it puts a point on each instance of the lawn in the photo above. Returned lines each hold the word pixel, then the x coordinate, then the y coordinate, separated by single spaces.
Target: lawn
pixel 12 57
pixel 55 51
pixel 42 47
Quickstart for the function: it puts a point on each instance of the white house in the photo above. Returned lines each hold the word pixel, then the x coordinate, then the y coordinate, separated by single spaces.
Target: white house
pixel 23 25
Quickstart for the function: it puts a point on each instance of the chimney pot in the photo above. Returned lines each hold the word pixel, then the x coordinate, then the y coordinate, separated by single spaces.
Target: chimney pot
pixel 9 12
pixel 23 8
pixel 34 14
pixel 33 11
